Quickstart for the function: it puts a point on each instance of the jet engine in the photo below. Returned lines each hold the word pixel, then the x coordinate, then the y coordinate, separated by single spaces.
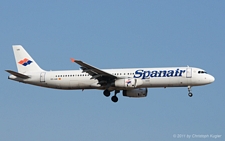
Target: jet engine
pixel 140 92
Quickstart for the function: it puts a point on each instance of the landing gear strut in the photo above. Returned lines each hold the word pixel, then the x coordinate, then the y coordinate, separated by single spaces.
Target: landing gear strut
pixel 189 91
pixel 115 98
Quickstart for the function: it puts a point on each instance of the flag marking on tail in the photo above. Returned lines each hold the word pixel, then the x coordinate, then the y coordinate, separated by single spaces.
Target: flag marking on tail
pixel 25 62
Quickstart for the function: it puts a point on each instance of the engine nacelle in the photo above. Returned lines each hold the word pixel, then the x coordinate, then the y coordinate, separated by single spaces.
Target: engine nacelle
pixel 141 92
pixel 128 83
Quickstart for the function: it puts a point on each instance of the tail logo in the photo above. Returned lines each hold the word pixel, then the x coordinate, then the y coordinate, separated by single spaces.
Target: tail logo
pixel 25 62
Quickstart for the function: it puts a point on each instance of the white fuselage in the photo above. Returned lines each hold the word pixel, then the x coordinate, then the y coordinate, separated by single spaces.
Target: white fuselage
pixel 148 77
pixel 132 82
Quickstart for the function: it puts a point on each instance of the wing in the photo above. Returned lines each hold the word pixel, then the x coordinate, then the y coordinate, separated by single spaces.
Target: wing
pixel 104 78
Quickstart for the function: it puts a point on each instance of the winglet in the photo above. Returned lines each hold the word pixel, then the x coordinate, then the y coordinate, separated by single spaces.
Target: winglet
pixel 72 59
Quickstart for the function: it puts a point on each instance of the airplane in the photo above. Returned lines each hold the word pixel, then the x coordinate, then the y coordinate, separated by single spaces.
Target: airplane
pixel 133 82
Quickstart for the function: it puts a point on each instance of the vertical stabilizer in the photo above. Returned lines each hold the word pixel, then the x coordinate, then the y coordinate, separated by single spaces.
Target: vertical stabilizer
pixel 25 63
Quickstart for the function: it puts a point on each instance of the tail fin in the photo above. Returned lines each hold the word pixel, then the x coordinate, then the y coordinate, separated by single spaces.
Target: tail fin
pixel 24 62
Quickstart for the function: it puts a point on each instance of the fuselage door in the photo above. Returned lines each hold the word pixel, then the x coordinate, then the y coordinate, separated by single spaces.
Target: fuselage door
pixel 42 76
pixel 188 72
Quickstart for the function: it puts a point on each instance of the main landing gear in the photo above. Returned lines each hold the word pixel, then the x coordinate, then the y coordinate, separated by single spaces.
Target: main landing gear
pixel 114 98
pixel 106 93
pixel 189 91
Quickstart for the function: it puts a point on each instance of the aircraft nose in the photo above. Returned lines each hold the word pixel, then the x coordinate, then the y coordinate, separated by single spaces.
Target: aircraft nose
pixel 211 79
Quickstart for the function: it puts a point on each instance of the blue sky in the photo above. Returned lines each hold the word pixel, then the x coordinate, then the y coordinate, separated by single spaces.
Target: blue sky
pixel 112 34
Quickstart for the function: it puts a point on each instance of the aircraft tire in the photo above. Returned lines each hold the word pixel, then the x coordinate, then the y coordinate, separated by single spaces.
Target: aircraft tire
pixel 114 98
pixel 106 93
pixel 190 94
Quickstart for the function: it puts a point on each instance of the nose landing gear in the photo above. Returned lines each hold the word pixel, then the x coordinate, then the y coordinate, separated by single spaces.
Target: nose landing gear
pixel 189 91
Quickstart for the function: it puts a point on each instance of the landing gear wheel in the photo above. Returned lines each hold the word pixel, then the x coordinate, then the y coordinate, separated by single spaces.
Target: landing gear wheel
pixel 189 91
pixel 190 94
pixel 106 93
pixel 114 98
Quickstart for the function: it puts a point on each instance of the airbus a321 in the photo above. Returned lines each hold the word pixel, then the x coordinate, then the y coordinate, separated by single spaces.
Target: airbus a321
pixel 132 82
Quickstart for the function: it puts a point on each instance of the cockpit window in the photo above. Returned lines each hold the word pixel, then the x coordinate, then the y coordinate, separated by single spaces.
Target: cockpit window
pixel 202 72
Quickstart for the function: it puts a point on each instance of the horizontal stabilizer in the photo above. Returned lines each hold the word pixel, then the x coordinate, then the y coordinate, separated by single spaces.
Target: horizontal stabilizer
pixel 18 74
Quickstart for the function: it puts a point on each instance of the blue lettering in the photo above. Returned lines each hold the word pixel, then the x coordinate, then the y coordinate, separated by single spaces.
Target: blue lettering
pixel 164 73
pixel 146 74
pixel 181 71
pixel 177 71
pixel 170 73
pixel 138 73
pixel 161 73
pixel 154 73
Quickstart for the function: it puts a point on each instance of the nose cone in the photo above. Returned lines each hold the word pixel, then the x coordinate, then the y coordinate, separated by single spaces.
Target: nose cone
pixel 211 79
